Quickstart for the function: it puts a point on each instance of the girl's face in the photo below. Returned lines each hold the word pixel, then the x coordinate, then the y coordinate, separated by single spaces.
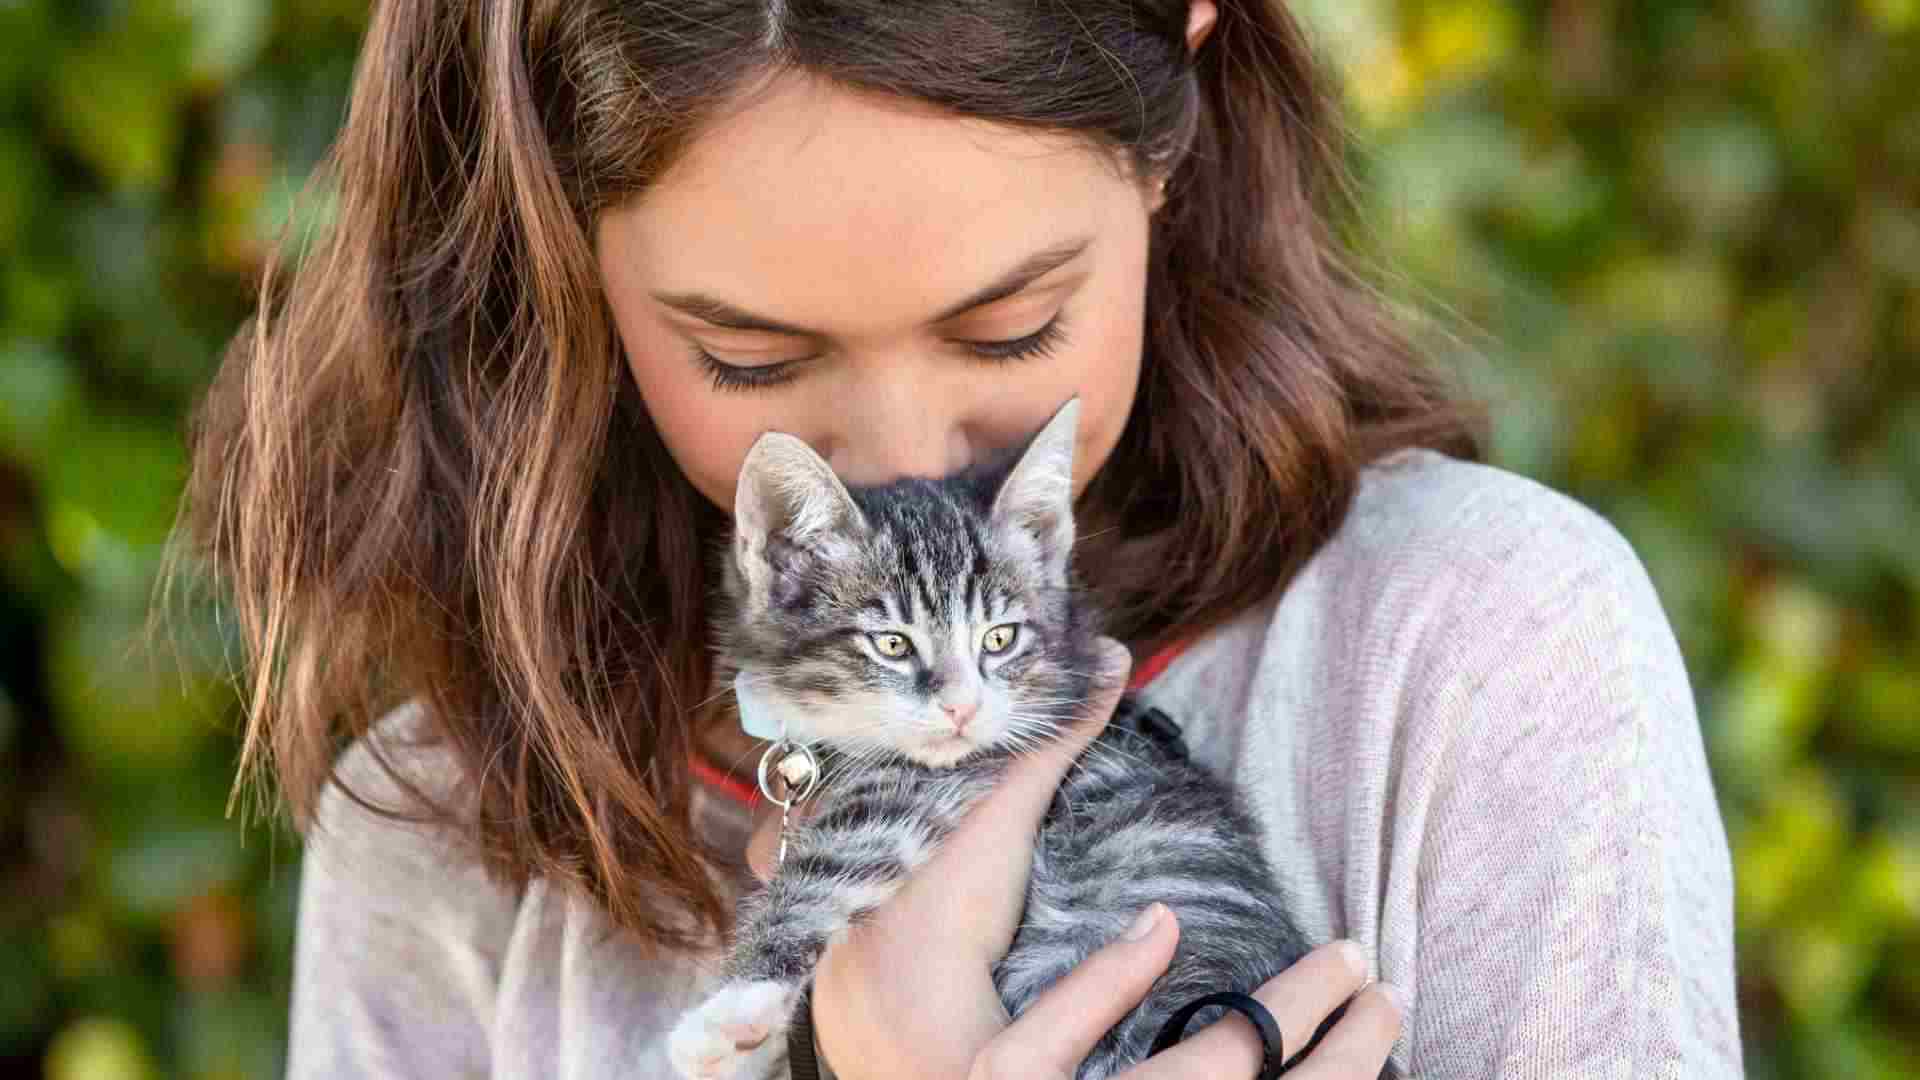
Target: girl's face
pixel 904 290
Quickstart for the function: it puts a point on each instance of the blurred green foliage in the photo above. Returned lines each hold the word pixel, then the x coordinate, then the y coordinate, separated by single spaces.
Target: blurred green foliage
pixel 1686 239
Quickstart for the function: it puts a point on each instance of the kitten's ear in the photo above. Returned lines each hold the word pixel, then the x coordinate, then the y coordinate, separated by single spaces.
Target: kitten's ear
pixel 786 491
pixel 1038 494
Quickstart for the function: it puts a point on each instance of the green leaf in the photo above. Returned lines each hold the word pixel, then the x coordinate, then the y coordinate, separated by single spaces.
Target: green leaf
pixel 126 484
pixel 122 710
pixel 1683 295
pixel 166 864
pixel 1893 16
pixel 28 32
pixel 1719 167
pixel 118 100
pixel 229 1036
pixel 26 992
pixel 100 1048
pixel 36 389
pixel 23 189
pixel 1797 842
pixel 227 35
pixel 1822 967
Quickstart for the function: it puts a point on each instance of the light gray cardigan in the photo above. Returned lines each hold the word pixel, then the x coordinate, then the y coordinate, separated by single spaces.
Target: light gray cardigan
pixel 1465 727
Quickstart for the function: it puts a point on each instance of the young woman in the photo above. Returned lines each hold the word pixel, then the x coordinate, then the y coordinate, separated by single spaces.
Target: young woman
pixel 466 471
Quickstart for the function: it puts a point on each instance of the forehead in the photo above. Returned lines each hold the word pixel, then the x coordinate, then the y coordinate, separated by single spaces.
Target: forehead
pixel 807 194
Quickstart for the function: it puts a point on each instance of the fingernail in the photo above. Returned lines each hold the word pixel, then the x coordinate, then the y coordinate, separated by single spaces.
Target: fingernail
pixel 1397 996
pixel 1143 925
pixel 1354 957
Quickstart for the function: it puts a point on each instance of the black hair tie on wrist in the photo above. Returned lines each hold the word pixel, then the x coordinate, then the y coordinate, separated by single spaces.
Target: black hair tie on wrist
pixel 1273 1061
pixel 801 1062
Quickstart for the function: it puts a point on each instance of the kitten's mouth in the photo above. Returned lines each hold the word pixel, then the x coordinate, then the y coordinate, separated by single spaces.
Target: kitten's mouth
pixel 946 749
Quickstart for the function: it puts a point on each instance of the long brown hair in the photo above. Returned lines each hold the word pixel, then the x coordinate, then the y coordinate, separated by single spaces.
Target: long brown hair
pixel 425 473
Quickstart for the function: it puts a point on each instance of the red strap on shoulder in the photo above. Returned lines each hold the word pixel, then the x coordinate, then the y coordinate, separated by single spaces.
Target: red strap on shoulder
pixel 730 787
pixel 1157 663
pixel 747 794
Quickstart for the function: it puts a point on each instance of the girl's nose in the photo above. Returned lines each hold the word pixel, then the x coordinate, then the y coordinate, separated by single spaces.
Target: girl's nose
pixel 873 452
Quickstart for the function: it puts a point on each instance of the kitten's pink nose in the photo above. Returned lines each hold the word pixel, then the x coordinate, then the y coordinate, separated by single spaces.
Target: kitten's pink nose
pixel 961 715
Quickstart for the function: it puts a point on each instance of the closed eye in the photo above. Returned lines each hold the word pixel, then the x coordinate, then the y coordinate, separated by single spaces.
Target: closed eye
pixel 732 376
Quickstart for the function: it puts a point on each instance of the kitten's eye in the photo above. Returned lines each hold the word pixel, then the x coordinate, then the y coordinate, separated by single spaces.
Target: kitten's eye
pixel 1000 638
pixel 891 646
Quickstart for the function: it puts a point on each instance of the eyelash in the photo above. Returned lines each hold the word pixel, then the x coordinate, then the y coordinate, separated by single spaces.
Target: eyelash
pixel 1040 343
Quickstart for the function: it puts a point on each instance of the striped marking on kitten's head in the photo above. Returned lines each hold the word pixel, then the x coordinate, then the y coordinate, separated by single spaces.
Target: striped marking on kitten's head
pixel 929 618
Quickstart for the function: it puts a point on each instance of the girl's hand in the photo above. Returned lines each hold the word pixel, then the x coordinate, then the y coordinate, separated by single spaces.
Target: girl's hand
pixel 1053 1036
pixel 910 992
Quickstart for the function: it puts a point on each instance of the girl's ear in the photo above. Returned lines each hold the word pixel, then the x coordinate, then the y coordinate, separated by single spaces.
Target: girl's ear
pixel 1201 16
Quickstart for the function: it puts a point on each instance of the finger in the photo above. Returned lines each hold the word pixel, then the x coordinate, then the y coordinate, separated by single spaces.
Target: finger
pixel 765 842
pixel 1299 999
pixel 1358 1045
pixel 1060 1028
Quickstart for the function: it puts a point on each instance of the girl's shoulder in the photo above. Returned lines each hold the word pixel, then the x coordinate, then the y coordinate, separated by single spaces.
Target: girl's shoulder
pixel 1470 558
pixel 399 764
pixel 398 807
pixel 397 913
pixel 1419 511
pixel 1446 579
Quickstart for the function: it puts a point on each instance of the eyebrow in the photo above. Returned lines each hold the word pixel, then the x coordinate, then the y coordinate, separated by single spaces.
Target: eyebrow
pixel 712 309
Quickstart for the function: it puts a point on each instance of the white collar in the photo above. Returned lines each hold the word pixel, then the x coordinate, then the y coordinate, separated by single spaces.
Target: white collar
pixel 762 715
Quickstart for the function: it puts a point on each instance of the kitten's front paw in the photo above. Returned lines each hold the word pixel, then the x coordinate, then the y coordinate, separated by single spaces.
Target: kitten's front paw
pixel 742 1024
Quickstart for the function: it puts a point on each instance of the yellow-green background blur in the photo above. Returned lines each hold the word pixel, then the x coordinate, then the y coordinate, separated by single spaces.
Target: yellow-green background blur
pixel 1677 245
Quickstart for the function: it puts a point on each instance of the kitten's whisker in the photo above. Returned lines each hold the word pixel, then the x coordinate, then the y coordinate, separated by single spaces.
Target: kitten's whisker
pixel 1053 701
pixel 1098 751
pixel 849 764
pixel 1024 741
pixel 1057 724
pixel 1103 753
pixel 854 763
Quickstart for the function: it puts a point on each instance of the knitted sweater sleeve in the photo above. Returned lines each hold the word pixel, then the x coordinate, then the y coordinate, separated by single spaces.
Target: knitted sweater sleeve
pixel 1558 893
pixel 397 951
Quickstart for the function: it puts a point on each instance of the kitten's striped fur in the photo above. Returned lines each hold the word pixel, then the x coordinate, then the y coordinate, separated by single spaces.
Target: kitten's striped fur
pixel 816 568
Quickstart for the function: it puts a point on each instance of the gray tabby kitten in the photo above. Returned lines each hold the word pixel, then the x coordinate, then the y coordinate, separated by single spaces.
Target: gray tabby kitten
pixel 918 635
